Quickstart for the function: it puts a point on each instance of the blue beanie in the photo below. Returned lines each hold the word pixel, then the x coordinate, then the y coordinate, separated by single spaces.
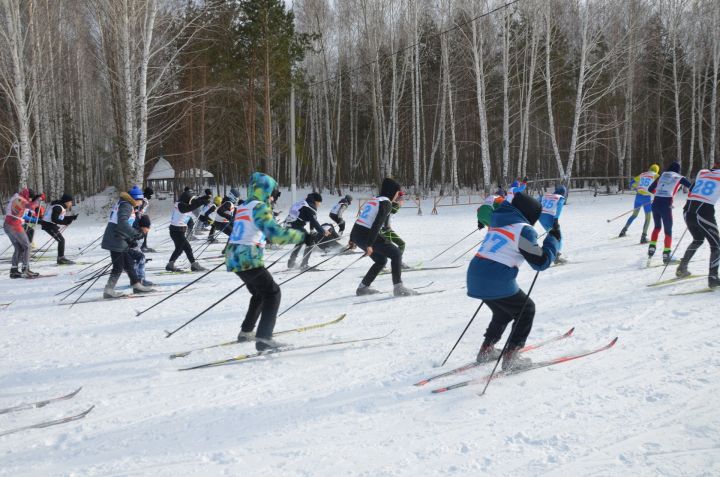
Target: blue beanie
pixel 561 190
pixel 136 193
pixel 674 167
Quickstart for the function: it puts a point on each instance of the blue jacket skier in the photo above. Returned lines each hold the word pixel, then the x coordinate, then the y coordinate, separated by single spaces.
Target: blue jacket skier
pixel 552 207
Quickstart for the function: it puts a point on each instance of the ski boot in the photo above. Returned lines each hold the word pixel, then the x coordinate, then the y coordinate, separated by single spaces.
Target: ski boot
pixel 405 266
pixel 64 261
pixel 148 250
pixel 147 283
pixel 109 291
pixel 401 290
pixel 170 267
pixel 15 273
pixel 651 250
pixel 666 256
pixel 512 361
pixel 363 290
pixel 487 353
pixel 713 281
pixel 291 264
pixel 196 267
pixel 138 287
pixel 682 270
pixel 265 344
pixel 623 232
pixel 212 240
pixel 643 239
pixel 559 260
pixel 27 273
pixel 245 336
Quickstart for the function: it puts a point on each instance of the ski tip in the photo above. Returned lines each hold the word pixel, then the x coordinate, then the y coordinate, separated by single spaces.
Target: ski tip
pixel 439 390
pixel 422 383
pixel 612 343
pixel 570 331
pixel 167 333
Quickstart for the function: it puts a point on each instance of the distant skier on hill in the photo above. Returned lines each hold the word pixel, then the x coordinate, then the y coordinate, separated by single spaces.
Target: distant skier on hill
pixel 336 213
pixel 181 216
pixel 490 204
pixel 700 219
pixel 301 213
pixel 643 200
pixel 491 276
pixel 366 235
pixel 56 214
pixel 665 187
pixel 552 207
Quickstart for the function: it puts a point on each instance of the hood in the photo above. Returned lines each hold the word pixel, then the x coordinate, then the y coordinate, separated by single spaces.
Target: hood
pixel 126 197
pixel 515 183
pixel 389 188
pixel 674 167
pixel 260 187
pixel 528 207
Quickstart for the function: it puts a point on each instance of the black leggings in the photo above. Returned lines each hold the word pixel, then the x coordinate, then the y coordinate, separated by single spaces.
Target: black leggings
pixel 122 261
pixel 382 251
pixel 505 310
pixel 177 234
pixel 700 220
pixel 53 231
pixel 310 240
pixel 265 299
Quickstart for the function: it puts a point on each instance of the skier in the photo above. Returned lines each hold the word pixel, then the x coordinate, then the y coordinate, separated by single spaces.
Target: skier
pixel 329 242
pixel 518 185
pixel 643 199
pixel 552 206
pixel 253 225
pixel 135 251
pixel 13 227
pixel 665 187
pixel 491 276
pixel 302 212
pixel 699 212
pixel 148 192
pixel 205 216
pixel 490 204
pixel 31 218
pixel 119 234
pixel 54 216
pixel 178 230
pixel 366 235
pixel 389 234
pixel 336 213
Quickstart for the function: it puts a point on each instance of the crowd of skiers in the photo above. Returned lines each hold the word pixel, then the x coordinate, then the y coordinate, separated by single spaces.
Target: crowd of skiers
pixel 508 215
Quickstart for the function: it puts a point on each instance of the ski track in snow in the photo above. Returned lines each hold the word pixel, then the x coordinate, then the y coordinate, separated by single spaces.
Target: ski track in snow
pixel 647 407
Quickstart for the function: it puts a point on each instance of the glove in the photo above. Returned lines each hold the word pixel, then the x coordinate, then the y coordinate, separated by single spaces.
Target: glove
pixel 480 225
pixel 555 231
pixel 132 243
pixel 72 218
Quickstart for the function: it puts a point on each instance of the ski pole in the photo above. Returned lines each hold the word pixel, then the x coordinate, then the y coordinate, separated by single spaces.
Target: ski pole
pixel 622 215
pixel 103 271
pixel 451 246
pixel 320 286
pixel 673 253
pixel 86 247
pixel 512 331
pixel 93 283
pixel 37 257
pixel 138 313
pixel 462 334
pixel 90 266
pixel 466 251
pixel 168 334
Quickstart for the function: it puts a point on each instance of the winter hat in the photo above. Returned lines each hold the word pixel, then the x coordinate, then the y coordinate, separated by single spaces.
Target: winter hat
pixel 25 193
pixel 136 193
pixel 389 188
pixel 148 192
pixel 561 190
pixel 187 189
pixel 66 198
pixel 235 192
pixel 528 206
pixel 186 197
pixel 348 198
pixel 501 192
pixel 144 221
pixel 208 192
pixel 515 183
pixel 314 197
pixel 276 194
pixel 655 168
pixel 217 200
pixel 674 167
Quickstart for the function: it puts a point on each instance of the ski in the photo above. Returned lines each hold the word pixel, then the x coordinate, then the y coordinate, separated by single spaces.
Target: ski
pixel 41 425
pixel 537 365
pixel 695 292
pixel 673 280
pixel 658 265
pixel 300 329
pixel 475 364
pixel 5 305
pixel 422 269
pixel 36 404
pixel 121 297
pixel 179 272
pixel 393 297
pixel 244 357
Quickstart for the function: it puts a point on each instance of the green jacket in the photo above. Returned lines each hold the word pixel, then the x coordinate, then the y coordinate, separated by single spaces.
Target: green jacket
pixel 240 257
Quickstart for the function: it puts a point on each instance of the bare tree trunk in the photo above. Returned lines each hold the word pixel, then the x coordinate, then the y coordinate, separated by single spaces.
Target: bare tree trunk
pixel 477 45
pixel 506 87
pixel 548 85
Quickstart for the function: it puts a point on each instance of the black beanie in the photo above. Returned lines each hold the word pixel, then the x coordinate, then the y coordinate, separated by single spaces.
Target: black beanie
pixel 389 188
pixel 314 197
pixel 144 221
pixel 148 192
pixel 66 198
pixel 528 206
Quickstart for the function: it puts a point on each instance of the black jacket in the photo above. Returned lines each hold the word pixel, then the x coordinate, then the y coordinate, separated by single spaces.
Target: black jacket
pixel 308 214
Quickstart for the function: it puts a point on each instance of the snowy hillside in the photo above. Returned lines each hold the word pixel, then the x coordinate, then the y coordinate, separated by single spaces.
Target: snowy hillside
pixel 647 407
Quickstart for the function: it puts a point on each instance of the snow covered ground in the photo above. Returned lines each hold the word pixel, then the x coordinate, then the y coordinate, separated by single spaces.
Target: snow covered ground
pixel 647 407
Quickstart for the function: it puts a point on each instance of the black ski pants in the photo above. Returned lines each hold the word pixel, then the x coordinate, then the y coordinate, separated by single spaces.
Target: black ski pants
pixel 310 240
pixel 505 310
pixel 54 231
pixel 700 220
pixel 177 234
pixel 382 251
pixel 123 261
pixel 265 301
pixel 340 221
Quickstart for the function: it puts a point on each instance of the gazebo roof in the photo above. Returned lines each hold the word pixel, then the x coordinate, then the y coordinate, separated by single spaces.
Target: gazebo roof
pixel 161 170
